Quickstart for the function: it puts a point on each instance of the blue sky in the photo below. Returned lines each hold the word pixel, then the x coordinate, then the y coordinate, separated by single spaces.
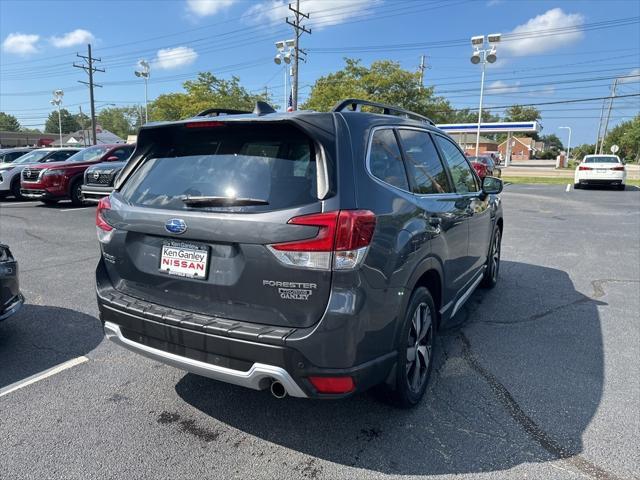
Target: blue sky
pixel 182 37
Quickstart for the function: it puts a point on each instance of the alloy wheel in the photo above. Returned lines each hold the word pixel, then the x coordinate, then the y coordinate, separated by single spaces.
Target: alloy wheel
pixel 495 256
pixel 419 347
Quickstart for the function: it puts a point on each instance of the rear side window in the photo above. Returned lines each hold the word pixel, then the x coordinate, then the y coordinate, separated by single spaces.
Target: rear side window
pixel 423 163
pixel 602 159
pixel 273 166
pixel 385 160
pixel 464 180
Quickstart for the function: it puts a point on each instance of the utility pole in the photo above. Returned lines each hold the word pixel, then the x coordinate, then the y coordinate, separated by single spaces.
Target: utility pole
pixel 299 29
pixel 90 69
pixel 422 67
pixel 606 122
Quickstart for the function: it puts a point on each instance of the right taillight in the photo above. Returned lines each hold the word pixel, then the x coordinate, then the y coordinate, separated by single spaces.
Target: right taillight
pixel 103 228
pixel 582 167
pixel 340 242
pixel 620 168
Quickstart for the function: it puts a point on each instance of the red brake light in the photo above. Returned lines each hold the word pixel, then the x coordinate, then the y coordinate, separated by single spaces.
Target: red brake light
pixel 324 239
pixel 620 168
pixel 355 229
pixel 582 167
pixel 340 231
pixel 333 384
pixel 204 124
pixel 101 223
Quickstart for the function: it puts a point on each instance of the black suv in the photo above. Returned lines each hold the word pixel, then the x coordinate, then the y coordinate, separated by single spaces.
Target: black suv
pixel 99 179
pixel 315 254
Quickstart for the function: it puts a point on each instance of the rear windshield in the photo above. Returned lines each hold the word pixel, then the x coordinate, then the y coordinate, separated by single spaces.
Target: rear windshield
pixel 601 159
pixel 275 165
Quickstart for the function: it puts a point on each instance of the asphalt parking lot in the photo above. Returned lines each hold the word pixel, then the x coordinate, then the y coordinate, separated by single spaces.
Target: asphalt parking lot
pixel 538 378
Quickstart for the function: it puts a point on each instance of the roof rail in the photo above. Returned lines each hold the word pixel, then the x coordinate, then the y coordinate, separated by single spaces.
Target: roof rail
pixel 355 105
pixel 216 112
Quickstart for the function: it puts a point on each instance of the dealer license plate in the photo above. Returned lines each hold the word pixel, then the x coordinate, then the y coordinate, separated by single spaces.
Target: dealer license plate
pixel 601 170
pixel 184 259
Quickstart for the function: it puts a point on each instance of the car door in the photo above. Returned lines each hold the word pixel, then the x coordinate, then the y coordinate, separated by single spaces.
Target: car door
pixel 471 200
pixel 444 216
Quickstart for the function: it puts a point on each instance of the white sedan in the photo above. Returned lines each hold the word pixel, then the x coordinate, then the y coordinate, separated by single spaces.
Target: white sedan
pixel 600 170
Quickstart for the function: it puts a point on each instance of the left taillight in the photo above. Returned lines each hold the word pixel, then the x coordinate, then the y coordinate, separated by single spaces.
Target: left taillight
pixel 103 228
pixel 340 242
pixel 620 168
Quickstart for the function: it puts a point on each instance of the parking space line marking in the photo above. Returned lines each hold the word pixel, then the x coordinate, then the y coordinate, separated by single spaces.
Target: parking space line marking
pixel 17 204
pixel 568 187
pixel 73 209
pixel 42 375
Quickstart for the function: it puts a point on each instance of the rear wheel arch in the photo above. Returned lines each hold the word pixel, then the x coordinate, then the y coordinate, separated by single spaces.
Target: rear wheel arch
pixel 428 274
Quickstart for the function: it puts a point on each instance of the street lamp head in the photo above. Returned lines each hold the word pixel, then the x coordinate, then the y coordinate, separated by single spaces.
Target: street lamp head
pixel 58 93
pixel 477 40
pixel 280 45
pixel 287 57
pixel 277 59
pixel 491 56
pixel 290 43
pixel 138 74
pixel 494 37
pixel 475 58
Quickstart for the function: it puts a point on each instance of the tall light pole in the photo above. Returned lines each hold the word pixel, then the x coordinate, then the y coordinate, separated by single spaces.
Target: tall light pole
pixel 57 101
pixel 483 53
pixel 145 73
pixel 285 48
pixel 568 142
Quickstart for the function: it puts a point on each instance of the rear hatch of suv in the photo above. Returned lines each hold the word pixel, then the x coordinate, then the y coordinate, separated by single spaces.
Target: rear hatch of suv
pixel 204 206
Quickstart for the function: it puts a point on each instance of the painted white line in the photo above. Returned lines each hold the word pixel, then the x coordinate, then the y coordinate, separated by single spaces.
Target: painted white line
pixel 73 209
pixel 42 375
pixel 568 187
pixel 18 204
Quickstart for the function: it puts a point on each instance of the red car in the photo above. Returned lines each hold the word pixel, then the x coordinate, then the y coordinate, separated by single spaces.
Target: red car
pixel 59 180
pixel 485 166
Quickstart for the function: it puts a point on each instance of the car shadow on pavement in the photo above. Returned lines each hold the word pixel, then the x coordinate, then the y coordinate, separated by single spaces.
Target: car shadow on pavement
pixel 40 337
pixel 517 379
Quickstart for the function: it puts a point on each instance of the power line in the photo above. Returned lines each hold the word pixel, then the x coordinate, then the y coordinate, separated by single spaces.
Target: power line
pixel 298 30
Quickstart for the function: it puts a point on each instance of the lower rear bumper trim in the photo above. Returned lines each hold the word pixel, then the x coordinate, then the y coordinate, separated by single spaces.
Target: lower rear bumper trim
pixel 258 377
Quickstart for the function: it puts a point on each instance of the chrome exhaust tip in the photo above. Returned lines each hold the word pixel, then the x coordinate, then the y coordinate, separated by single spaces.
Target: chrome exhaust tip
pixel 278 390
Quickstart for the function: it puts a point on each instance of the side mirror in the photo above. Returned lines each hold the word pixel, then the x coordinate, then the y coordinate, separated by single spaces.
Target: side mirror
pixel 492 185
pixel 112 158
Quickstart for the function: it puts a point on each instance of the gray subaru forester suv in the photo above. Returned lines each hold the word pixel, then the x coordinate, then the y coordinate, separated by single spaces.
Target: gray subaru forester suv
pixel 312 254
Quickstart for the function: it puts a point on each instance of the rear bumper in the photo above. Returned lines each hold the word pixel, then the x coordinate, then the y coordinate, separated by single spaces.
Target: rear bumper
pixel 93 194
pixel 240 353
pixel 258 377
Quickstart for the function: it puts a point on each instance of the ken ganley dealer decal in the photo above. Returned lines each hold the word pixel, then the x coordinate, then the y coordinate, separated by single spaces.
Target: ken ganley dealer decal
pixel 292 290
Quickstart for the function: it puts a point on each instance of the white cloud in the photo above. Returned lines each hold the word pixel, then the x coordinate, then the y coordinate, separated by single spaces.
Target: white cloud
pixel 323 13
pixel 205 8
pixel 631 77
pixel 20 43
pixel 499 87
pixel 532 43
pixel 70 39
pixel 170 58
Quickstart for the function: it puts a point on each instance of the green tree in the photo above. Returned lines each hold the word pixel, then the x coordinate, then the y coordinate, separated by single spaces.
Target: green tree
pixel 578 152
pixel 465 115
pixel 519 113
pixel 627 136
pixel 9 123
pixel 384 81
pixel 552 145
pixel 69 122
pixel 207 91
pixel 122 121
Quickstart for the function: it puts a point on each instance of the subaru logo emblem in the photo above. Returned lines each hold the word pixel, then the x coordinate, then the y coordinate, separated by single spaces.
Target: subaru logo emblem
pixel 175 225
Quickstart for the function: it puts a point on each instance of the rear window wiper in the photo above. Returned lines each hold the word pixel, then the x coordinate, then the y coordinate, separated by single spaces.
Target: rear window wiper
pixel 213 201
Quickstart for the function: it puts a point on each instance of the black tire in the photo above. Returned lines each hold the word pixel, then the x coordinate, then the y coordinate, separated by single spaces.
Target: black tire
pixel 490 278
pixel 75 193
pixel 577 186
pixel 418 336
pixel 49 201
pixel 15 190
pixel 620 187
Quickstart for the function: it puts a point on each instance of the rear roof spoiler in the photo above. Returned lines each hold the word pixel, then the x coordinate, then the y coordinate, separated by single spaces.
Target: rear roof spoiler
pixel 356 104
pixel 217 112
